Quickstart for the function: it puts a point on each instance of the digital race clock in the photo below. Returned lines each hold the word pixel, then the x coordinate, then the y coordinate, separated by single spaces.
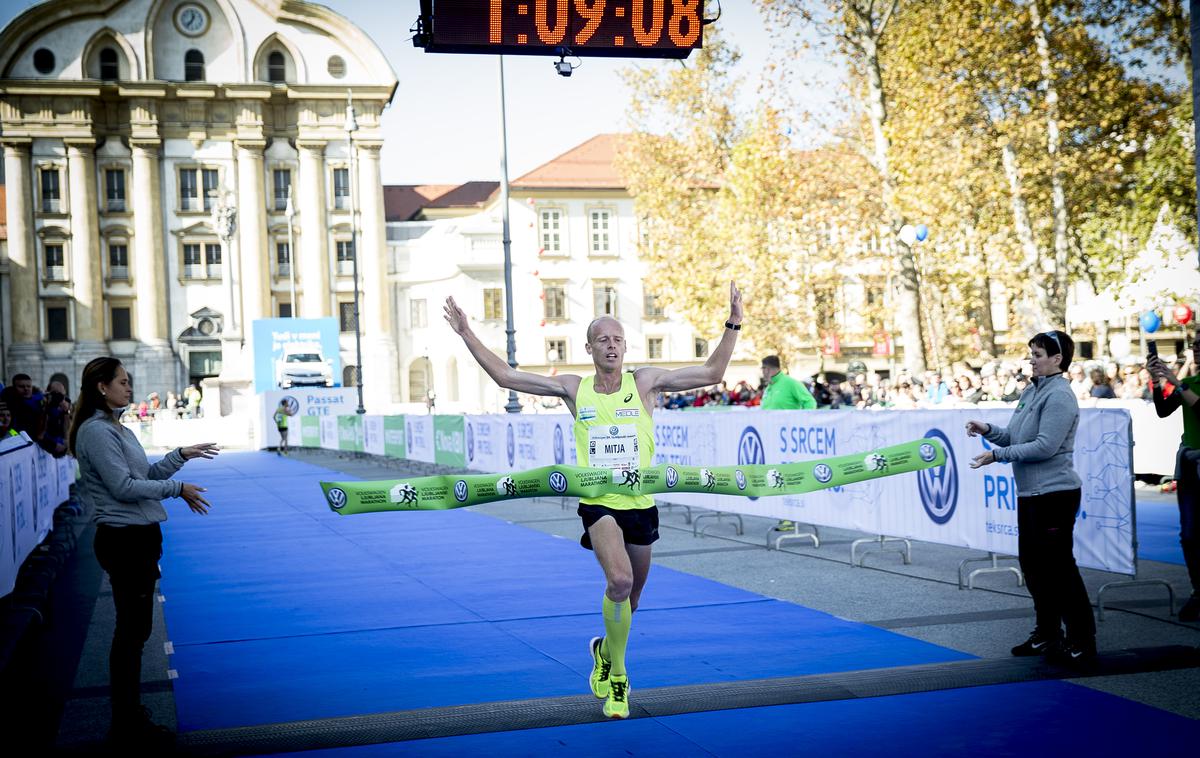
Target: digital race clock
pixel 620 28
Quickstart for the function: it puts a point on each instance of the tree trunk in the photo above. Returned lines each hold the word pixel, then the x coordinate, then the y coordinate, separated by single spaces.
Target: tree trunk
pixel 908 306
pixel 1036 286
pixel 987 328
pixel 1058 297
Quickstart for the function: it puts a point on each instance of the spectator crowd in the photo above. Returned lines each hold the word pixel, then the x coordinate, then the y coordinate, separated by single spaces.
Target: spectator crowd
pixel 45 415
pixel 996 381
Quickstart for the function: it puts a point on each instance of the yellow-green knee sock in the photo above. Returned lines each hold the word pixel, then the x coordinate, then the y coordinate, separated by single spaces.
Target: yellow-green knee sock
pixel 617 620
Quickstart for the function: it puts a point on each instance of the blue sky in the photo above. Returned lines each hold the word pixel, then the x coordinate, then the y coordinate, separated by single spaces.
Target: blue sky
pixel 443 125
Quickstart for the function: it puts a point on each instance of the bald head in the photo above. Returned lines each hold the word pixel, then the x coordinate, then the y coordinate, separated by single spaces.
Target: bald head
pixel 606 343
pixel 605 323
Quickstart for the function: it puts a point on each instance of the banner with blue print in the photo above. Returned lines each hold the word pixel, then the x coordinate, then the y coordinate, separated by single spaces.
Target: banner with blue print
pixel 294 353
pixel 954 504
pixel 32 485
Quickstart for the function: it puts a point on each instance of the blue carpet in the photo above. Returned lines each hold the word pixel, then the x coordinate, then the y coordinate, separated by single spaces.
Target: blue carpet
pixel 280 610
pixel 1158 531
pixel 1025 720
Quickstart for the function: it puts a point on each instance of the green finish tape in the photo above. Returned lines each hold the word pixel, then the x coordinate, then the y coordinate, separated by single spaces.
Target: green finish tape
pixel 434 493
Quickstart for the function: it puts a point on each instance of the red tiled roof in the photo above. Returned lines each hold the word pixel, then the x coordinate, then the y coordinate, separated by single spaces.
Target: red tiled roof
pixel 587 166
pixel 403 202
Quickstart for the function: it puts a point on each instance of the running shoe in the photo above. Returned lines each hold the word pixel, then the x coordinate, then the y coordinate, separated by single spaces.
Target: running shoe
pixel 617 704
pixel 1074 654
pixel 1038 643
pixel 599 678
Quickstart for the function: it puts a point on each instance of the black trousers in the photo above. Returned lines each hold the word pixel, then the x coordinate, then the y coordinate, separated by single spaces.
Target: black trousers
pixel 1187 491
pixel 1045 542
pixel 129 555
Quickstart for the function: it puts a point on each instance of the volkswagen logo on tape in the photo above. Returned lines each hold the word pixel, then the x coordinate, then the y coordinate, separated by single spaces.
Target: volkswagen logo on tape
pixel 927 452
pixel 822 473
pixel 512 446
pixel 740 478
pixel 460 490
pixel 672 476
pixel 939 486
pixel 560 454
pixel 558 482
pixel 750 452
pixel 337 498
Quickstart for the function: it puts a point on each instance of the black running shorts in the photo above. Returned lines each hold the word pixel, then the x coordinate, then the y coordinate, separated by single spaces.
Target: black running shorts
pixel 638 525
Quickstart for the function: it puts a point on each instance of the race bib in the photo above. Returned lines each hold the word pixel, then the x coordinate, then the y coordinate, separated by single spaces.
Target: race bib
pixel 613 447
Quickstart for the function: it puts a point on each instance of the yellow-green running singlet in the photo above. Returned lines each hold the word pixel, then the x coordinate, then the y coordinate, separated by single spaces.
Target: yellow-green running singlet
pixel 614 432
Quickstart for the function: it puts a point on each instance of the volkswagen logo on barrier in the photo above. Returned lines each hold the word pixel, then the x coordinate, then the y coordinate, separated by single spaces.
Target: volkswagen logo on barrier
pixel 740 478
pixel 408 436
pixel 672 476
pixel 291 405
pixel 460 490
pixel 558 482
pixel 337 498
pixel 750 451
pixel 559 453
pixel 512 446
pixel 822 473
pixel 939 486
pixel 470 441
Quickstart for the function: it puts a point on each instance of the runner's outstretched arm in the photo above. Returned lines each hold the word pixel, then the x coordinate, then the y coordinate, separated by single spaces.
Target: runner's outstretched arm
pixel 506 376
pixel 713 370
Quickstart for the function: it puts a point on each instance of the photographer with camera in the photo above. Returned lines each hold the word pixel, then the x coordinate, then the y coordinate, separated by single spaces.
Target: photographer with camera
pixel 56 413
pixel 1170 393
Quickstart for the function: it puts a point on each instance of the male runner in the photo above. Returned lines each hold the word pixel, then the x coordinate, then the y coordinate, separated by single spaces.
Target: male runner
pixel 281 424
pixel 613 430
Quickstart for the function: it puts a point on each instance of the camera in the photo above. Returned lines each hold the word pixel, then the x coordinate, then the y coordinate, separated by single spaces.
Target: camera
pixel 563 68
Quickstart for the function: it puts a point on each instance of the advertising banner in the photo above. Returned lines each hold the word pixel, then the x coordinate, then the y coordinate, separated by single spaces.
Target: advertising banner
pixel 350 429
pixel 418 438
pixel 450 441
pixel 373 435
pixel 310 431
pixel 958 505
pixel 329 432
pixel 298 404
pixel 394 437
pixel 293 353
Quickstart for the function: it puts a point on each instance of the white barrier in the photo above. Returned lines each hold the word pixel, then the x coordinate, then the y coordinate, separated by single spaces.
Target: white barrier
pixel 32 484
pixel 954 505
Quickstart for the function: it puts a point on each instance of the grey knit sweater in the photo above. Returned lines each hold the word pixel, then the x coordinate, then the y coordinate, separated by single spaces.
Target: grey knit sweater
pixel 116 477
pixel 1039 441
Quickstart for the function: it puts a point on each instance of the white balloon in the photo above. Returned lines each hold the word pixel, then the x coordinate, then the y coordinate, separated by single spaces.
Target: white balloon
pixel 908 234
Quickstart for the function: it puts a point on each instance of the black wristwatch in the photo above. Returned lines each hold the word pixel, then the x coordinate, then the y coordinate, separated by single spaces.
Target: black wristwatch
pixel 733 326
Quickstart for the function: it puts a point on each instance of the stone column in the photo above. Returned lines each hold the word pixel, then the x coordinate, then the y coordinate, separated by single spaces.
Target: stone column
pixel 252 235
pixel 379 350
pixel 155 358
pixel 314 259
pixel 86 275
pixel 25 349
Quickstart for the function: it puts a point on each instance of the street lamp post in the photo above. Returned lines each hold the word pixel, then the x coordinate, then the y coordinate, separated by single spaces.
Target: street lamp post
pixel 351 128
pixel 290 211
pixel 224 222
pixel 514 405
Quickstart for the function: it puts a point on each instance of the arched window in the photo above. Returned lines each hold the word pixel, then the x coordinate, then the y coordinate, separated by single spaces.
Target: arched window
pixel 110 70
pixel 276 67
pixel 193 66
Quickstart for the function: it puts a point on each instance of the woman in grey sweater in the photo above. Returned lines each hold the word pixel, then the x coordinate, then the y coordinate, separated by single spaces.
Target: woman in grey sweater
pixel 1039 441
pixel 125 492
